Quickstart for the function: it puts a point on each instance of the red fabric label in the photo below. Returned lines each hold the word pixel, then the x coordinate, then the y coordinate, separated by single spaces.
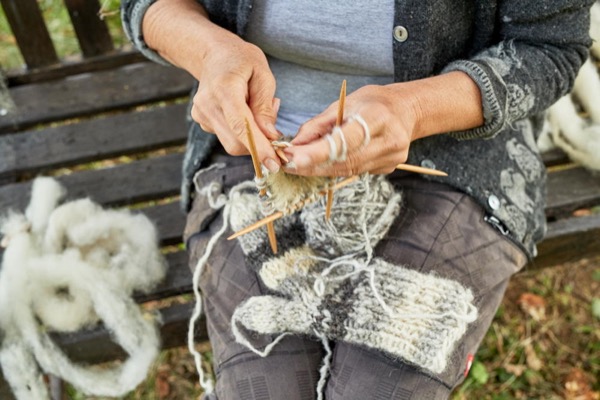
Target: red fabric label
pixel 470 359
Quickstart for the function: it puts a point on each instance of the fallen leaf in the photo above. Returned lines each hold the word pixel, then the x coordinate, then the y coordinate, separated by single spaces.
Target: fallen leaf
pixel 162 385
pixel 577 386
pixel 516 370
pixel 533 305
pixel 531 358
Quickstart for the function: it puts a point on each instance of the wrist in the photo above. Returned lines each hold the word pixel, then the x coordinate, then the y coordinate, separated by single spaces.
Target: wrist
pixel 445 103
pixel 181 32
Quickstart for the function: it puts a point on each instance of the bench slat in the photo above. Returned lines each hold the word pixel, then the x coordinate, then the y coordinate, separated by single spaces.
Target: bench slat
pixel 29 28
pixel 94 345
pixel 87 94
pixel 68 67
pixel 92 32
pixel 169 220
pixel 139 181
pixel 569 240
pixel 178 280
pixel 571 189
pixel 94 139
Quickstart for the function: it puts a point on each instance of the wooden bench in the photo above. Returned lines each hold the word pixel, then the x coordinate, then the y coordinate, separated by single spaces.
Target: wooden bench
pixel 110 104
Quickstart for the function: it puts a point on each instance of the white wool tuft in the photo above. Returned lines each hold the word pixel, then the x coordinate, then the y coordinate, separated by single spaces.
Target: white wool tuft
pixel 45 195
pixel 66 268
pixel 565 127
pixel 595 29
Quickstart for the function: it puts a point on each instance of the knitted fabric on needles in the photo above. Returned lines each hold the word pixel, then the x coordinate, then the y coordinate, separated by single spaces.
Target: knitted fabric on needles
pixel 66 268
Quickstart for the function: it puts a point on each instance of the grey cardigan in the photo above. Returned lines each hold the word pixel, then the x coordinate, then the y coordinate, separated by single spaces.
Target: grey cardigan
pixel 523 54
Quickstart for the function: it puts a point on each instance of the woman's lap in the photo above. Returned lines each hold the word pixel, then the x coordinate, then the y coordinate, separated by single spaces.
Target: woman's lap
pixel 438 231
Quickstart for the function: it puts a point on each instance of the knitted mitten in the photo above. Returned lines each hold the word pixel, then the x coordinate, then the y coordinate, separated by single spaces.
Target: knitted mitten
pixel 407 314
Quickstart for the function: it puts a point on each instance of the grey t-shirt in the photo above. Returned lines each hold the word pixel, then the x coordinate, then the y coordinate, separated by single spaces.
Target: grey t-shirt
pixel 325 45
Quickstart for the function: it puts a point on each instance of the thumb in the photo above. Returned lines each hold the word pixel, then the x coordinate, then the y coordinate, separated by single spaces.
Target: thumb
pixel 269 315
pixel 263 103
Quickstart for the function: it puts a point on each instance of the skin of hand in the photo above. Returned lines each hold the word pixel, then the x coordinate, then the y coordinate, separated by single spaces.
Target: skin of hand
pixel 396 114
pixel 235 81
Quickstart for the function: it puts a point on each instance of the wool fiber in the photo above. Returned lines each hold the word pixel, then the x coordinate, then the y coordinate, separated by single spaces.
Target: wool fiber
pixel 67 267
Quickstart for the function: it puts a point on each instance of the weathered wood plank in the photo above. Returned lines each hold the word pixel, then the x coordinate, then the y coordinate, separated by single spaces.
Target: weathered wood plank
pixel 178 280
pixel 70 67
pixel 139 181
pixel 169 220
pixel 94 345
pixel 569 240
pixel 571 189
pixel 92 32
pixel 121 134
pixel 29 28
pixel 87 94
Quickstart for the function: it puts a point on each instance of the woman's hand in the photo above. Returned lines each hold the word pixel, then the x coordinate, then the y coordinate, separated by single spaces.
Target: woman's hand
pixel 235 82
pixel 389 118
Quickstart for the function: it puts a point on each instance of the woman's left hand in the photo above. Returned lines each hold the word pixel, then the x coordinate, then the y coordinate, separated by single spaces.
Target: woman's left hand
pixel 389 118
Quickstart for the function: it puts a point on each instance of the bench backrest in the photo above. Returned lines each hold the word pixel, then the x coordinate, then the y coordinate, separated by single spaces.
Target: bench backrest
pixel 110 126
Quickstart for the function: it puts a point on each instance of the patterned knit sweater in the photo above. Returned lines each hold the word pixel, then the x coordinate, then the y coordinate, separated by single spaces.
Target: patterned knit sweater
pixel 523 55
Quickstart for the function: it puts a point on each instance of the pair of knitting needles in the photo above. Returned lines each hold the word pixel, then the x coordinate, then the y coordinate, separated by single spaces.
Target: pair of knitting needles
pixel 268 221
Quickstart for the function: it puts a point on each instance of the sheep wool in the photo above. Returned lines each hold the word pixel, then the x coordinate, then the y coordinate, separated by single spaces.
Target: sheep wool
pixel 565 127
pixel 66 267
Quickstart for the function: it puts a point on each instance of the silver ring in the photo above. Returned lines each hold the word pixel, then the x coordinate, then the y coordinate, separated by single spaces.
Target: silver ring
pixel 344 153
pixel 332 148
pixel 363 124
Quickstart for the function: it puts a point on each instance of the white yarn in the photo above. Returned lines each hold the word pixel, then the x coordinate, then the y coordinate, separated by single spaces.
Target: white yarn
pixel 67 267
pixel 367 132
pixel 216 200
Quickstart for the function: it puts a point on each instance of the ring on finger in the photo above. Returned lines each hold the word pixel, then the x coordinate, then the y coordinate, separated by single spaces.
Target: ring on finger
pixel 361 121
pixel 344 152
pixel 332 148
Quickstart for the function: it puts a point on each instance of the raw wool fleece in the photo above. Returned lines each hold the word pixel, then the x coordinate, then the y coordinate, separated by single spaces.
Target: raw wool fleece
pixel 67 267
pixel 330 285
pixel 564 127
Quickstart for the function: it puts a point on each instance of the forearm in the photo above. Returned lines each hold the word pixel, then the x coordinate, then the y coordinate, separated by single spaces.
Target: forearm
pixel 173 28
pixel 445 103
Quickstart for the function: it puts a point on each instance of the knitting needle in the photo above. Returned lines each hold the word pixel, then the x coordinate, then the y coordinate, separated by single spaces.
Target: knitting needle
pixel 338 122
pixel 275 216
pixel 421 170
pixel 259 175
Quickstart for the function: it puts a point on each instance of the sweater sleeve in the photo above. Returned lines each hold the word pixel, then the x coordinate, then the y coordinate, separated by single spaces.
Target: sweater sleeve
pixel 132 15
pixel 541 48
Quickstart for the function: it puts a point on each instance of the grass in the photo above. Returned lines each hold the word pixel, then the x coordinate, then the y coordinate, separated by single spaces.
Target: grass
pixel 544 342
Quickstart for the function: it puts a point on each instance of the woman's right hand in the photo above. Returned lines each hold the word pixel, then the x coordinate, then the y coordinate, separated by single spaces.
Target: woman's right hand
pixel 236 83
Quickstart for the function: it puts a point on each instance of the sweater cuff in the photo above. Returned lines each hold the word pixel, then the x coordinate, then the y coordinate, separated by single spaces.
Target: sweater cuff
pixel 132 15
pixel 492 96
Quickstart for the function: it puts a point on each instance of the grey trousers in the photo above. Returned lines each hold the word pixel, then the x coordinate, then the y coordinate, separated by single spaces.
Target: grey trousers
pixel 439 230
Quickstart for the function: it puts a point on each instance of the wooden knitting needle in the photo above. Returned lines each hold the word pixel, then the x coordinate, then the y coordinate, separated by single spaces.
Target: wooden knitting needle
pixel 275 216
pixel 259 175
pixel 421 170
pixel 338 122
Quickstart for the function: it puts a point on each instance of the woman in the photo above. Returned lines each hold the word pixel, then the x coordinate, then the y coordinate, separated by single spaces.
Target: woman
pixel 456 86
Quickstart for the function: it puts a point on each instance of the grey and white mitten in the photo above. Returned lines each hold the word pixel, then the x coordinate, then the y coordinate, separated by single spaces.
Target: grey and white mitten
pixel 417 317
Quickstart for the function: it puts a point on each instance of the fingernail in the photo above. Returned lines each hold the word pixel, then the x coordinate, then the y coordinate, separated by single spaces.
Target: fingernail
pixel 271 129
pixel 271 165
